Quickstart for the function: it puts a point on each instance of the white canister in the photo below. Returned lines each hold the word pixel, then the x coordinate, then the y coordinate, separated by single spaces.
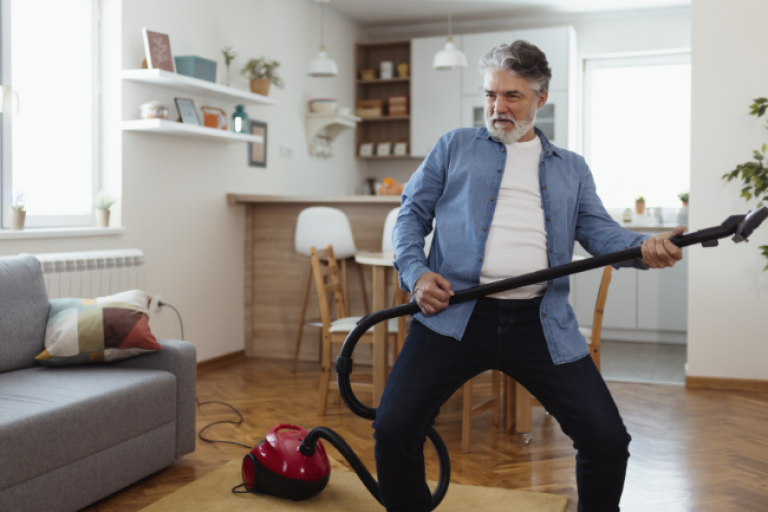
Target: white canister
pixel 385 70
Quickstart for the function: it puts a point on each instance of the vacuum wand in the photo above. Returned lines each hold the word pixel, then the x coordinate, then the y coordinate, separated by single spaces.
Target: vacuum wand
pixel 739 227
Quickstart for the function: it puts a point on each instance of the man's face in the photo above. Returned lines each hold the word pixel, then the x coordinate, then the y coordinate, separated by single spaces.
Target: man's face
pixel 510 106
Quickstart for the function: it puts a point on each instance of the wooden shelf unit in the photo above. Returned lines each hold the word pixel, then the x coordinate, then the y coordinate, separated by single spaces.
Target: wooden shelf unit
pixel 381 129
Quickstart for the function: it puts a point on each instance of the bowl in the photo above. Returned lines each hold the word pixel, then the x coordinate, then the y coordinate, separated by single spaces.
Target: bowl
pixel 323 105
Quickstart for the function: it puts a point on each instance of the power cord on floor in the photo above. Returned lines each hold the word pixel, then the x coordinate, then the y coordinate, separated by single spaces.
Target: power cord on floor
pixel 236 423
pixel 161 304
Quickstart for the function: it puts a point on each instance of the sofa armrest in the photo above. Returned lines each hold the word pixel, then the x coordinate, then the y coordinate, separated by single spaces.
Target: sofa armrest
pixel 179 358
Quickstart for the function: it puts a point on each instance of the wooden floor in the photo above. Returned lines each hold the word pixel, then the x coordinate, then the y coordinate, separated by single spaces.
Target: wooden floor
pixel 692 450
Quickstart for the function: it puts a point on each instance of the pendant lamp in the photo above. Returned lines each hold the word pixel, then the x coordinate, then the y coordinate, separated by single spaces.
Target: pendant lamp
pixel 322 65
pixel 449 57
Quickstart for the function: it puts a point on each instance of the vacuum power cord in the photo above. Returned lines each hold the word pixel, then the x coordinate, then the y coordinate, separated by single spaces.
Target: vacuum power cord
pixel 236 423
pixel 163 304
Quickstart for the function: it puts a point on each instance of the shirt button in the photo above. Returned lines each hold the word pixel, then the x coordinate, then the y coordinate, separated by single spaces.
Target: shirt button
pixel 479 260
pixel 503 150
pixel 499 170
pixel 485 229
pixel 543 188
pixel 548 218
pixel 543 315
pixel 492 199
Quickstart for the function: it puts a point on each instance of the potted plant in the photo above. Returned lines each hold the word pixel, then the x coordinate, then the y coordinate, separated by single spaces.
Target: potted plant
pixel 684 198
pixel 261 73
pixel 18 210
pixel 640 205
pixel 102 204
pixel 229 56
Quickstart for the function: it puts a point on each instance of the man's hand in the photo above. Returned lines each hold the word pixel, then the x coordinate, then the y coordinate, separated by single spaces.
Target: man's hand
pixel 659 252
pixel 432 292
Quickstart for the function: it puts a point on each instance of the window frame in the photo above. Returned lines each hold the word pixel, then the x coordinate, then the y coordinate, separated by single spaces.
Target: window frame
pixel 6 126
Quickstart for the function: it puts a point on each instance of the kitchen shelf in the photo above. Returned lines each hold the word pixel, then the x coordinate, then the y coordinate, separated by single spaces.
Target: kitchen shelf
pixel 333 123
pixel 384 80
pixel 390 157
pixel 385 118
pixel 163 127
pixel 195 86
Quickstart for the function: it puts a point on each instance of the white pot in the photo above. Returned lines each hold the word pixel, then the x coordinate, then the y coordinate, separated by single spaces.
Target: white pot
pixel 17 219
pixel 102 218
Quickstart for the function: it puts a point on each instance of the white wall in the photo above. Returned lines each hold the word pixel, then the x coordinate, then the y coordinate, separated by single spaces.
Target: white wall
pixel 728 293
pixel 597 34
pixel 173 201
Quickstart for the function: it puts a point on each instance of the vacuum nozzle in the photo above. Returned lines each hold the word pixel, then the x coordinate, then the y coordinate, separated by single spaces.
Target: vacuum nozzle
pixel 749 224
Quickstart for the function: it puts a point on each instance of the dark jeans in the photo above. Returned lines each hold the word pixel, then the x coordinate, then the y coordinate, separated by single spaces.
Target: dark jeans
pixel 504 335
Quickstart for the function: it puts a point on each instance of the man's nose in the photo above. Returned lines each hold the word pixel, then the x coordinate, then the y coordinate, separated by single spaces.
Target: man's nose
pixel 500 106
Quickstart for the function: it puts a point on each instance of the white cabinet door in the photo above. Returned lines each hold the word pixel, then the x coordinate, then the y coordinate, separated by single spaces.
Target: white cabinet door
pixel 475 48
pixel 435 95
pixel 662 297
pixel 555 42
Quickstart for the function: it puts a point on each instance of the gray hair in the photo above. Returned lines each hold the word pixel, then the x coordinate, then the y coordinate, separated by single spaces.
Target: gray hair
pixel 523 59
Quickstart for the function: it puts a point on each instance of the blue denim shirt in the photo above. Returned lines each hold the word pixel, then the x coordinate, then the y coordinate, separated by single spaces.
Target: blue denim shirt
pixel 457 185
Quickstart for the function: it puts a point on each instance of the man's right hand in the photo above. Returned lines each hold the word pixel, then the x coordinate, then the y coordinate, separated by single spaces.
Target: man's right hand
pixel 432 292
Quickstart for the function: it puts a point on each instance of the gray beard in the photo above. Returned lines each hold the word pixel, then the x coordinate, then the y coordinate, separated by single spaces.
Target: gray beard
pixel 516 133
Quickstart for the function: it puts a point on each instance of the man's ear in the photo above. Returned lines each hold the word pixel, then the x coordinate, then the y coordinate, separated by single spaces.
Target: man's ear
pixel 542 99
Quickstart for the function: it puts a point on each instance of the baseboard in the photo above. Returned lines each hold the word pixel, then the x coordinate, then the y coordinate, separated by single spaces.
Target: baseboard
pixel 216 362
pixel 694 382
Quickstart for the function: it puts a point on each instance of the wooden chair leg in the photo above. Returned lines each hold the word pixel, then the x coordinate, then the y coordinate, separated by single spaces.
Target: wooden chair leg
pixel 509 406
pixel 466 417
pixel 345 286
pixel 522 410
pixel 495 382
pixel 302 319
pixel 325 374
pixel 361 276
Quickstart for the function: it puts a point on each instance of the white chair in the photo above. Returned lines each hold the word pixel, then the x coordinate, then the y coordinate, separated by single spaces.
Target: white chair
pixel 389 225
pixel 320 226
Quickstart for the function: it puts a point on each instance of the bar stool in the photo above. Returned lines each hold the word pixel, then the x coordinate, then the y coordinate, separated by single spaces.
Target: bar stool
pixel 320 226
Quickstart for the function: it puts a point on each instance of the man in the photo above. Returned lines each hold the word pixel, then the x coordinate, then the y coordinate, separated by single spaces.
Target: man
pixel 506 202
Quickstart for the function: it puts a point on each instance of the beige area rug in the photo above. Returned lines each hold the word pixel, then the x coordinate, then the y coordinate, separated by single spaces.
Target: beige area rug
pixel 344 493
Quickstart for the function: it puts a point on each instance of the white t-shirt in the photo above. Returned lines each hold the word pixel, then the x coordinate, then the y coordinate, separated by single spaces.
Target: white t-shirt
pixel 517 240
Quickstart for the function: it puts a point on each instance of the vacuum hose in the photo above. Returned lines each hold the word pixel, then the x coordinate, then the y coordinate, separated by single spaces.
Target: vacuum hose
pixel 737 226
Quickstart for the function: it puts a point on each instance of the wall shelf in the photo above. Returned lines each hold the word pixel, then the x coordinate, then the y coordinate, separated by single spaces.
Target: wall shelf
pixel 164 127
pixel 383 119
pixel 390 157
pixel 383 80
pixel 195 86
pixel 324 128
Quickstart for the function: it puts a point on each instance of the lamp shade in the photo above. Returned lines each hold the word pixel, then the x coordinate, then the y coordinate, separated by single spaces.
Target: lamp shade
pixel 323 66
pixel 449 57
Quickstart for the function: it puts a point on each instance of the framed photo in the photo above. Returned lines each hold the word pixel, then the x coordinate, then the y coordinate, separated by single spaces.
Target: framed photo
pixel 384 149
pixel 257 151
pixel 157 47
pixel 187 112
pixel 366 149
pixel 401 148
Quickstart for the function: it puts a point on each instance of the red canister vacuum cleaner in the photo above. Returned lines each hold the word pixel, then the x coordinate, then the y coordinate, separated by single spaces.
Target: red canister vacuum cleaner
pixel 291 462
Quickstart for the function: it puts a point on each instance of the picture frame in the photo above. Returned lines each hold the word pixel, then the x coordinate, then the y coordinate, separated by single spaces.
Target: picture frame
pixel 384 149
pixel 157 47
pixel 257 151
pixel 366 149
pixel 187 111
pixel 401 148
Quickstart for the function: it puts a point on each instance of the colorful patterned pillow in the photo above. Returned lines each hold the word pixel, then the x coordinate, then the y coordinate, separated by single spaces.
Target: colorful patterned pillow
pixel 97 330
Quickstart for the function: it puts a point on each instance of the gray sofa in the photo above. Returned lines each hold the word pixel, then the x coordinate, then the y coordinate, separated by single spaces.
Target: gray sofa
pixel 70 436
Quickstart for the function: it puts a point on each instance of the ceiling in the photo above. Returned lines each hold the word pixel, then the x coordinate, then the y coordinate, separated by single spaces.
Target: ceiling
pixel 371 13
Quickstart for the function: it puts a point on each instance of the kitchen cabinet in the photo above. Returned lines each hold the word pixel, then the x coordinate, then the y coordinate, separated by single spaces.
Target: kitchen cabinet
pixel 642 306
pixel 436 108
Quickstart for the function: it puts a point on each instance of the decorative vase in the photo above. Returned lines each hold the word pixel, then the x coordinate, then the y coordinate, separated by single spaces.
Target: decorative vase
pixel 240 120
pixel 17 219
pixel 260 86
pixel 640 207
pixel 102 218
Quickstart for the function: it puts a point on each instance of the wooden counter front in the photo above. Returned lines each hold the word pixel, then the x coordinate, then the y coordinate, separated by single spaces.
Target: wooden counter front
pixel 275 275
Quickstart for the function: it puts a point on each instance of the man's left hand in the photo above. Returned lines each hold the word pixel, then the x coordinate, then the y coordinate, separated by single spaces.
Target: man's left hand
pixel 659 252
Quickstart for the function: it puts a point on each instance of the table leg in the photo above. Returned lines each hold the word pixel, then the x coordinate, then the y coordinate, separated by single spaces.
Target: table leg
pixel 379 334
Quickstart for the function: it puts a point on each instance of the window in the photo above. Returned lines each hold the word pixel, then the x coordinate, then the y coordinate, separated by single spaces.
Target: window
pixel 637 128
pixel 50 134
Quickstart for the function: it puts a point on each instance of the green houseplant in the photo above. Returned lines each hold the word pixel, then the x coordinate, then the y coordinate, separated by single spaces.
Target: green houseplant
pixel 684 198
pixel 102 204
pixel 754 174
pixel 18 210
pixel 640 205
pixel 262 72
pixel 229 56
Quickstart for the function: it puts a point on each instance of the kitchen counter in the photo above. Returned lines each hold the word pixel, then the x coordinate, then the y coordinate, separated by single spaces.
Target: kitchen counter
pixel 234 199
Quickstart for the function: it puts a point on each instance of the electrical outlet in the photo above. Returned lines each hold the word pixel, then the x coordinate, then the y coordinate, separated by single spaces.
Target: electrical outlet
pixel 286 151
pixel 154 304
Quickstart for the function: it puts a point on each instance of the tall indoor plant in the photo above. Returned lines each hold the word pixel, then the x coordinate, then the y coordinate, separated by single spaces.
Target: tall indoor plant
pixel 262 73
pixel 754 175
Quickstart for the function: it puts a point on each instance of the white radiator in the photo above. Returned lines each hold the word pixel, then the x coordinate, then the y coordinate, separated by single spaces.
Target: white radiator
pixel 92 274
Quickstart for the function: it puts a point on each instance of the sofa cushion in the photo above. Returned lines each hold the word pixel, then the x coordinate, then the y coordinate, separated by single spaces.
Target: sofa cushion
pixel 51 417
pixel 23 311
